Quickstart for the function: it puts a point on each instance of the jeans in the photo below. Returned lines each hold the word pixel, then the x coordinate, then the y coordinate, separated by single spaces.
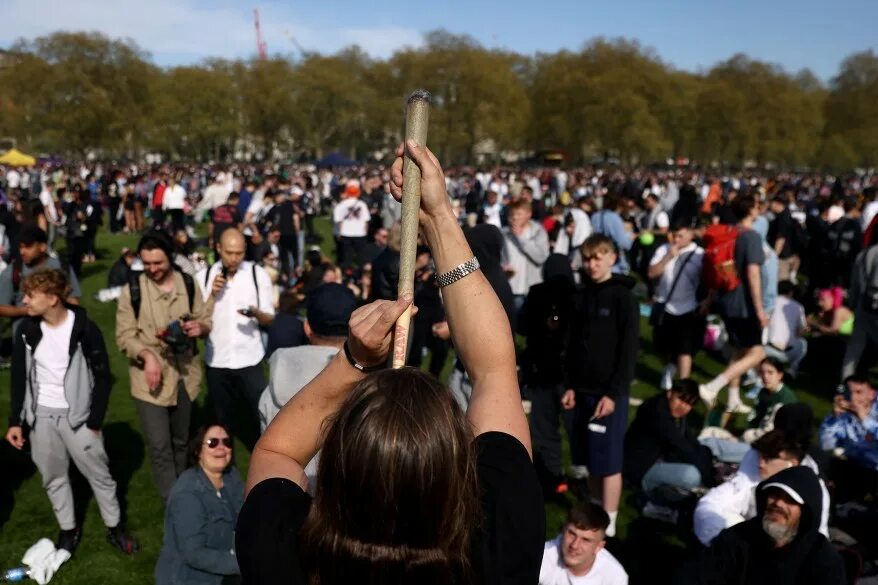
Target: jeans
pixel 792 356
pixel 725 450
pixel 681 475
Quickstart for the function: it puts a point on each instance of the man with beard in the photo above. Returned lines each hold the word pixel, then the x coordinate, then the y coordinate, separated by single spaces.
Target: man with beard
pixel 164 368
pixel 780 546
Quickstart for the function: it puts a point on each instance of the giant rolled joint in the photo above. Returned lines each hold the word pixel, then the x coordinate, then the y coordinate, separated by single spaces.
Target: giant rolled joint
pixel 417 119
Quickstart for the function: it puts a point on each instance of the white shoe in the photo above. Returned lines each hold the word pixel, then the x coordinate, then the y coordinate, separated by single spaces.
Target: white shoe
pixel 668 377
pixel 739 408
pixel 708 396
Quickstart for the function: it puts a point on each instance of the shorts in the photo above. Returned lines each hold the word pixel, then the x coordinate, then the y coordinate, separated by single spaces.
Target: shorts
pixel 598 444
pixel 679 334
pixel 744 332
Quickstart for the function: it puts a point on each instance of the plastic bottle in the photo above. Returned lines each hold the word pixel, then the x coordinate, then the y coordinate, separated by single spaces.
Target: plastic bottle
pixel 15 575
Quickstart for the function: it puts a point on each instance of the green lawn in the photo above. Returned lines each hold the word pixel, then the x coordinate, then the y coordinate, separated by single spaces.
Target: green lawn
pixel 25 513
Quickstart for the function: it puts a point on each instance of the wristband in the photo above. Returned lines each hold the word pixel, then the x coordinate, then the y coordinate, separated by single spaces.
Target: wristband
pixel 357 365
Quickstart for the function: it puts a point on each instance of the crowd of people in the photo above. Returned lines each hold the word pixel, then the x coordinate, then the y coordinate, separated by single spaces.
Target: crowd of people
pixel 776 274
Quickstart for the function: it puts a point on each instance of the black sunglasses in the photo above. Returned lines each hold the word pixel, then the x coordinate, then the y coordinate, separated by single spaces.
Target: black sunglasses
pixel 213 442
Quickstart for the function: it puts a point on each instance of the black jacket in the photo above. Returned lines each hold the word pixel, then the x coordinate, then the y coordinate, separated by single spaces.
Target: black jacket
pixel 544 321
pixel 745 555
pixel 656 435
pixel 87 405
pixel 385 275
pixel 604 338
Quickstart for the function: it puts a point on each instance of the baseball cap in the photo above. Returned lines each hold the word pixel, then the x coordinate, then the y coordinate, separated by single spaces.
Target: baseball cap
pixel 329 309
pixel 32 234
pixel 787 489
pixel 352 188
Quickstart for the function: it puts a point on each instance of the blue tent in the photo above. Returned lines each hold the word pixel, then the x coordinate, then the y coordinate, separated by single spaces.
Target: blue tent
pixel 336 159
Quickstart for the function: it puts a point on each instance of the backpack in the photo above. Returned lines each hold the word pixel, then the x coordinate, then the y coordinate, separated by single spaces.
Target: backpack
pixel 719 271
pixel 136 295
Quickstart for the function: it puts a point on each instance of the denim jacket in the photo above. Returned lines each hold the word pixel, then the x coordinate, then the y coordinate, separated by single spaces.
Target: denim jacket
pixel 199 541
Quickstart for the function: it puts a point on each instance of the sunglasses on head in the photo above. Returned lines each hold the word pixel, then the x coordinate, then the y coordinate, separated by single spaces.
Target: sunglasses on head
pixel 214 442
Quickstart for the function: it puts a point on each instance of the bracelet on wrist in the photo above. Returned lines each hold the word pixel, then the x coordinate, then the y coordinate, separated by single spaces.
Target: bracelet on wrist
pixel 357 365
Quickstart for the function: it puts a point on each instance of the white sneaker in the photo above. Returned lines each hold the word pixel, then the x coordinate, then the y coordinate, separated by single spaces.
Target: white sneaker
pixel 668 377
pixel 739 408
pixel 707 395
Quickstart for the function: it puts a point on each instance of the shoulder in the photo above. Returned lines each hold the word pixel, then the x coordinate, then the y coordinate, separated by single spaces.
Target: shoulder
pixel 608 566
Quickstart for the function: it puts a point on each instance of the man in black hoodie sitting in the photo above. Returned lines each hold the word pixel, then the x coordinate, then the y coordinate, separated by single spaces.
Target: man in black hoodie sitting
pixel 599 368
pixel 659 447
pixel 780 546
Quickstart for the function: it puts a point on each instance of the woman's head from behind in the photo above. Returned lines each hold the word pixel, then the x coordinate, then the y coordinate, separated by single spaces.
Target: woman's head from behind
pixel 212 448
pixel 396 490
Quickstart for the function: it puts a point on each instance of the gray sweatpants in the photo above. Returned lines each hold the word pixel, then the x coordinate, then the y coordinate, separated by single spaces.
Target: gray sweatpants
pixel 53 443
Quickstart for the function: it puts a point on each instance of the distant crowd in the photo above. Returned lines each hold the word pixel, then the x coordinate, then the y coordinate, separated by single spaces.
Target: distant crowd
pixel 776 274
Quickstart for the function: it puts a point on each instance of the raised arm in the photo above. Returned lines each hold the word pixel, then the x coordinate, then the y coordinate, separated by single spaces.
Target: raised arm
pixel 479 326
pixel 296 433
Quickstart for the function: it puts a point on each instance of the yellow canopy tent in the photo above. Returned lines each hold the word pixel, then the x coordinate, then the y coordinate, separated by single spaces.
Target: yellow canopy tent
pixel 17 158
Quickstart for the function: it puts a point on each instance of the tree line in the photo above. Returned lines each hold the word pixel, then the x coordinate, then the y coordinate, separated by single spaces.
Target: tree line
pixel 70 94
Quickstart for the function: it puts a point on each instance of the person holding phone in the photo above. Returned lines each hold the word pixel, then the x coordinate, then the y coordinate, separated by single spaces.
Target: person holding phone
pixel 241 295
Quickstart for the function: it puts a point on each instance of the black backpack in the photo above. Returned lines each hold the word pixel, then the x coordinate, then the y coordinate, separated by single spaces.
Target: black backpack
pixel 136 294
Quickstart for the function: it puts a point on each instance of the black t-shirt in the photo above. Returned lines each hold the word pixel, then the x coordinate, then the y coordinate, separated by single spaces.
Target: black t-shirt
pixel 507 546
pixel 282 216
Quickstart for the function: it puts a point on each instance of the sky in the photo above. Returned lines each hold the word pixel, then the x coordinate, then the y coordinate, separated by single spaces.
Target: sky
pixel 689 34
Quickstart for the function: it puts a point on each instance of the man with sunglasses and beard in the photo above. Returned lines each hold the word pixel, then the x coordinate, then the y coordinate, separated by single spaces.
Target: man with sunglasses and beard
pixel 780 546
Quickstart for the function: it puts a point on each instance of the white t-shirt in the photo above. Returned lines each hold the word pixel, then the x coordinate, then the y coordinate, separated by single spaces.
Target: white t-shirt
pixel 492 213
pixel 235 341
pixel 49 204
pixel 13 179
pixel 684 300
pixel 605 571
pixel 352 218
pixel 787 319
pixel 52 357
pixel 175 197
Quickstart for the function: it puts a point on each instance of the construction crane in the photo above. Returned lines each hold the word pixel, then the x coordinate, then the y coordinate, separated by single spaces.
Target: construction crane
pixel 261 47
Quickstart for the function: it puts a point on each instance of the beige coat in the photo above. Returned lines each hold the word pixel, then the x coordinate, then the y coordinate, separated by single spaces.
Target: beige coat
pixel 157 310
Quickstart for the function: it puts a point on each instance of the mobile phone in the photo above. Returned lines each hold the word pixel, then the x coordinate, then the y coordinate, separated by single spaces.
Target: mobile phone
pixel 225 272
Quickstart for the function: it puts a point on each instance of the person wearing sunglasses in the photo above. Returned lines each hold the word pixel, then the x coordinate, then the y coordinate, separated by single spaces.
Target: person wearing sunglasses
pixel 199 540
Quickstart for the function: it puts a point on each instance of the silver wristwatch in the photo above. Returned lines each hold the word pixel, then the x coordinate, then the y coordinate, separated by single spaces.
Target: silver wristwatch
pixel 457 273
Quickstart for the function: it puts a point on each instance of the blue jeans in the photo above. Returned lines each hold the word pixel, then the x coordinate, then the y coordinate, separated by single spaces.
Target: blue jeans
pixel 725 450
pixel 681 475
pixel 793 355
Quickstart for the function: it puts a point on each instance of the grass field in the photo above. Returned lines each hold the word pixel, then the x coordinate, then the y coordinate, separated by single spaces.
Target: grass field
pixel 648 550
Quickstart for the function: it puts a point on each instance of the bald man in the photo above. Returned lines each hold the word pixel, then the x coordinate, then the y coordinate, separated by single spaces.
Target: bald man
pixel 241 294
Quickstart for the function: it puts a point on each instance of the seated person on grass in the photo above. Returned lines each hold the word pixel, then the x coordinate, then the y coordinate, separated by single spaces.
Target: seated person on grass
pixel 851 429
pixel 660 448
pixel 734 501
pixel 772 396
pixel 577 555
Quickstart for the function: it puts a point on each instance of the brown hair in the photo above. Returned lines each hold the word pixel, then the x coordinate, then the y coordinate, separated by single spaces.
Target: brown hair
pixel 520 203
pixel 597 244
pixel 396 494
pixel 197 443
pixel 588 516
pixel 49 281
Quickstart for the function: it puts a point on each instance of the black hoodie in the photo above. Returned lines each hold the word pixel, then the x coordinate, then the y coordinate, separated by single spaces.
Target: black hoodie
pixel 745 555
pixel 544 321
pixel 604 338
pixel 487 243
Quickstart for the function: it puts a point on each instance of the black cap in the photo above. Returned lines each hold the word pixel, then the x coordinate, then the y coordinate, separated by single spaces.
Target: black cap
pixel 32 234
pixel 329 309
